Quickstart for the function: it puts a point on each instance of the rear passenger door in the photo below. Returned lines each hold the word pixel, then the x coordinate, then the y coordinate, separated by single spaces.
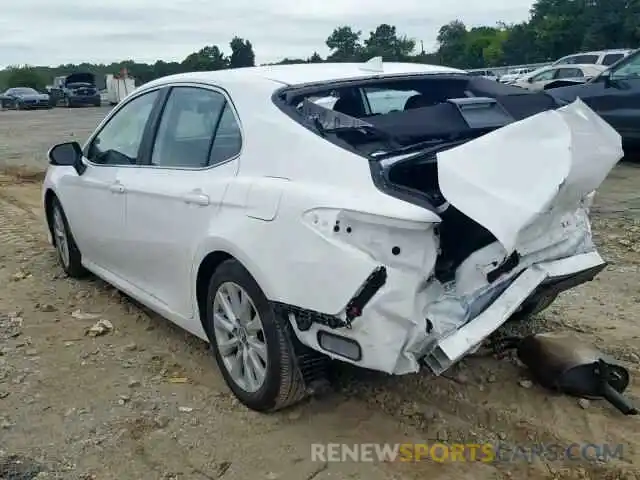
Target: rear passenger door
pixel 173 198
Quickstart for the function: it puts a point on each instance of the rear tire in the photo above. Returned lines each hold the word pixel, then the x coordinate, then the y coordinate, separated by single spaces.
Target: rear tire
pixel 235 300
pixel 68 253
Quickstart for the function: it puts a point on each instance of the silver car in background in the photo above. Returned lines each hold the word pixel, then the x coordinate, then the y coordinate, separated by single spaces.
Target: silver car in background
pixel 548 77
pixel 601 57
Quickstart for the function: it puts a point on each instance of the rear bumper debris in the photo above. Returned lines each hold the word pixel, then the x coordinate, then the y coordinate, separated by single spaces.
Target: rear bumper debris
pixel 556 275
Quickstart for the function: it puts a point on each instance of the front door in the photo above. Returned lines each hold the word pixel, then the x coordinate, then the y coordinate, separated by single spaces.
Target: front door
pixel 95 211
pixel 173 201
pixel 95 201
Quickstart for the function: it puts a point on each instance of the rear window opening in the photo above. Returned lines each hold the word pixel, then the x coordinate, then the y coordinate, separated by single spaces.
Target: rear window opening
pixel 377 115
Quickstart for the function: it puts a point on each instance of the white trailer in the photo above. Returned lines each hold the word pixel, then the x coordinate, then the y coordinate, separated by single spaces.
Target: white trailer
pixel 118 87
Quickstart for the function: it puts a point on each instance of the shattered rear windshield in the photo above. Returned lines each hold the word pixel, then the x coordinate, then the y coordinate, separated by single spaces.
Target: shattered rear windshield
pixel 437 108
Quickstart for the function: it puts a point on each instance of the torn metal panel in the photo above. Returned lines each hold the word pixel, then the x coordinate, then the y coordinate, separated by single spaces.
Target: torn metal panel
pixel 545 164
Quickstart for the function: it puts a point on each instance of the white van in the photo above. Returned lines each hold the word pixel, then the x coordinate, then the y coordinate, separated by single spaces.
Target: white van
pixel 601 57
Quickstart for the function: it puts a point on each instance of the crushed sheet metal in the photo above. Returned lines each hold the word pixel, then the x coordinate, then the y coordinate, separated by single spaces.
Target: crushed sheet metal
pixel 459 343
pixel 544 164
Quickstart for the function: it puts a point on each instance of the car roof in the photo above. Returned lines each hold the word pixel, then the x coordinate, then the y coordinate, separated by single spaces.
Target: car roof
pixel 298 74
pixel 599 52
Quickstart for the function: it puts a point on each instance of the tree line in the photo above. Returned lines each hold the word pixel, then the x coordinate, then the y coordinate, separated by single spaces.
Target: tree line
pixel 555 28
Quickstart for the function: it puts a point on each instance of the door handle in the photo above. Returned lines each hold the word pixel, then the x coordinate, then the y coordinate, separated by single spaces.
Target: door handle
pixel 196 197
pixel 117 187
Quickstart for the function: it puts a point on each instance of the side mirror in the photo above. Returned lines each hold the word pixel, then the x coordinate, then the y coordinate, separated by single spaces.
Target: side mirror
pixel 67 154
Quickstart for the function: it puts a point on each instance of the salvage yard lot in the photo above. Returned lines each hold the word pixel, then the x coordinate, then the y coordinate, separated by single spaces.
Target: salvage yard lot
pixel 145 401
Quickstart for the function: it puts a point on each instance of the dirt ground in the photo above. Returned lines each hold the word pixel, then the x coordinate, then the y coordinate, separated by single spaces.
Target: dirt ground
pixel 146 401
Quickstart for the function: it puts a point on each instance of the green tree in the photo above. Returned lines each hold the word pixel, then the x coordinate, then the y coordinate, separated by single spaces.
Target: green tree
pixel 345 45
pixel 25 77
pixel 162 68
pixel 315 58
pixel 452 41
pixel 206 59
pixel 241 53
pixel 384 42
pixel 519 45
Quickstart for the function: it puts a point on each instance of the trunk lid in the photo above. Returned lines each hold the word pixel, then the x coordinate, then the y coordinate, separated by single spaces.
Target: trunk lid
pixel 542 166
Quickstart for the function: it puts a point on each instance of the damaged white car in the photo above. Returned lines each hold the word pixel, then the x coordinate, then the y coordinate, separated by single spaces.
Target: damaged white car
pixel 390 216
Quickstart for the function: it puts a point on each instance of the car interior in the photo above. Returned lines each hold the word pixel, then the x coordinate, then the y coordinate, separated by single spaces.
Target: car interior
pixel 423 108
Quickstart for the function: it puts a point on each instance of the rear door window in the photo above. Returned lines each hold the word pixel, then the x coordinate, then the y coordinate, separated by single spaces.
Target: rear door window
pixel 612 58
pixel 187 127
pixel 629 68
pixel 228 140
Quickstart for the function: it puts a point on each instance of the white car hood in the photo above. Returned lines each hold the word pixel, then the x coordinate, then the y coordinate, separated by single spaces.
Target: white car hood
pixel 545 164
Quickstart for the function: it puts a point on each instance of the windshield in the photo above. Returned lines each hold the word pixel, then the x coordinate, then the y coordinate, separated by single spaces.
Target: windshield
pixel 22 91
pixel 627 67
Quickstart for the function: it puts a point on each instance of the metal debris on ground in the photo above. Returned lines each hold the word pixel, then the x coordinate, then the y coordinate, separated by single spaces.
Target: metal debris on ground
pixel 101 327
pixel 79 315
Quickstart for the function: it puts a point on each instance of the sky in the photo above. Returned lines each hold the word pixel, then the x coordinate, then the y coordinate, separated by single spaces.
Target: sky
pixel 53 32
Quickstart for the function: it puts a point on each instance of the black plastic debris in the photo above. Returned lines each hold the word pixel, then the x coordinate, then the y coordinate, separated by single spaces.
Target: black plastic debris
pixel 561 362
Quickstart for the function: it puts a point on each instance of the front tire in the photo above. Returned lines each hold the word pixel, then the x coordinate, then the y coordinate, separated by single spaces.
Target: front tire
pixel 253 346
pixel 68 253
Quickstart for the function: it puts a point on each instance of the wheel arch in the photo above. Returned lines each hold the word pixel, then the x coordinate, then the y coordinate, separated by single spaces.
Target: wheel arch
pixel 208 266
pixel 49 197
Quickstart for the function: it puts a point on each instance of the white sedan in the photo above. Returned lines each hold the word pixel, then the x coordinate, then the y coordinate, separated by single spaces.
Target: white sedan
pixel 559 75
pixel 287 232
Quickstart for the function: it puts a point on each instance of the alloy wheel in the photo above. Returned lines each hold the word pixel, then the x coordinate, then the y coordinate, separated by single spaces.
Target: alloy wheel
pixel 239 336
pixel 60 233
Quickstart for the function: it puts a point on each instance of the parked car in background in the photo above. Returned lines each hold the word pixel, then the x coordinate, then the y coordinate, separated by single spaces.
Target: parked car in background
pixel 600 57
pixel 515 73
pixel 76 90
pixel 488 74
pixel 4 101
pixel 25 98
pixel 417 234
pixel 550 77
pixel 614 95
